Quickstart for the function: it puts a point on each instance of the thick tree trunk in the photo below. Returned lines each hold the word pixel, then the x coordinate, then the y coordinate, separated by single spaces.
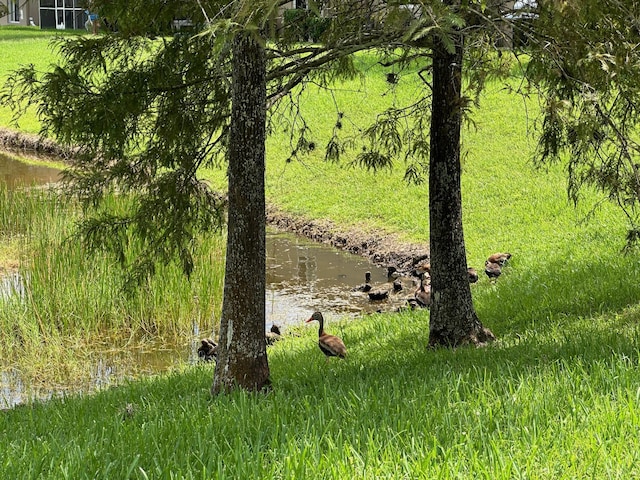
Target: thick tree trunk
pixel 453 318
pixel 242 355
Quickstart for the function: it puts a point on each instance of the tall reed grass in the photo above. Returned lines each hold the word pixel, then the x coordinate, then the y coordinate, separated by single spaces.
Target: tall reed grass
pixel 70 295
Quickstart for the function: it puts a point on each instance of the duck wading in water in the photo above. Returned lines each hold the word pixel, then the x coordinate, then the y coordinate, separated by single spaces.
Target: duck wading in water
pixel 330 345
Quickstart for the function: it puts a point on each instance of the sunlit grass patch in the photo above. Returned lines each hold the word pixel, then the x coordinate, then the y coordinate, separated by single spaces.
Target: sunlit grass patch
pixel 392 409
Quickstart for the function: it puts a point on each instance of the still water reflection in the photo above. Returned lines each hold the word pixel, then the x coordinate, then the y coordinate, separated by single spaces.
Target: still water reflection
pixel 15 173
pixel 304 276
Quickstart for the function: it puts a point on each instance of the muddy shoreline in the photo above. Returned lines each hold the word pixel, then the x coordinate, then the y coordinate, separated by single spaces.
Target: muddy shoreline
pixel 30 145
pixel 381 249
pixel 384 249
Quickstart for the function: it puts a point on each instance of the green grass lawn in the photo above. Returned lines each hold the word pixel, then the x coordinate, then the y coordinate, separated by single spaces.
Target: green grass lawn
pixel 22 46
pixel 556 397
pixel 558 400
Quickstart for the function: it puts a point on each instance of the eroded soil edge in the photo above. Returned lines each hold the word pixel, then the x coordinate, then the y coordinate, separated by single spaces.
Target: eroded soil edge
pixel 384 249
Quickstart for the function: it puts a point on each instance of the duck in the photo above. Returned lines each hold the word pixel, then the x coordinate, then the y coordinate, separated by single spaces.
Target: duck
pixel 366 286
pixel 423 292
pixel 492 269
pixel 208 350
pixel 330 345
pixel 499 258
pixel 381 292
pixel 393 274
pixel 423 266
pixel 473 275
pixel 273 335
pixel 495 262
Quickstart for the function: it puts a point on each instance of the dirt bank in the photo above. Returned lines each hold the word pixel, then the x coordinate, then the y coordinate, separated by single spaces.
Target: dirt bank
pixel 383 249
pixel 32 145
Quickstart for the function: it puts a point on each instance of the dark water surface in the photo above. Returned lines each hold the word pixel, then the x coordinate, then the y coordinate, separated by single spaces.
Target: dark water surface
pixel 305 276
pixel 302 277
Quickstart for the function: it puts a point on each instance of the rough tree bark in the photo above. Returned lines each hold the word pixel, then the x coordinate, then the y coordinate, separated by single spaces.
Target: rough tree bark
pixel 242 355
pixel 453 319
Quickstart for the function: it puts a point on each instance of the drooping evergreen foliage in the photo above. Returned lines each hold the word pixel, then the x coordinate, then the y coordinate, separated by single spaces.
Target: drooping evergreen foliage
pixel 585 63
pixel 146 115
pixel 149 107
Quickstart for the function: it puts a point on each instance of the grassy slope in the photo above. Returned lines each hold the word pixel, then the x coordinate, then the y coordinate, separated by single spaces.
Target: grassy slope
pixel 556 397
pixel 21 46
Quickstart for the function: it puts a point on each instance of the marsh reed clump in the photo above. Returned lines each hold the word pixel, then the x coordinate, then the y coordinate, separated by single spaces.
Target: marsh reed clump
pixel 67 294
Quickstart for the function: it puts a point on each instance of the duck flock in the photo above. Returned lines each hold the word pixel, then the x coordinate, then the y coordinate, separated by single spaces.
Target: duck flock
pixel 208 349
pixel 419 280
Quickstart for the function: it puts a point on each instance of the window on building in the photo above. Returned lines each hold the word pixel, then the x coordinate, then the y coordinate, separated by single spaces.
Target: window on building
pixel 62 14
pixel 14 11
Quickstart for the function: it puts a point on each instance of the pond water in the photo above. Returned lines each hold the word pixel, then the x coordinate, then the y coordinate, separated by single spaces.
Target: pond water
pixel 302 277
pixel 305 276
pixel 15 173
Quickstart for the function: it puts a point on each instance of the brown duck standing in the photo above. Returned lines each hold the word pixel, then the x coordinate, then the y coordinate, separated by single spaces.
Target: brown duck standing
pixel 423 292
pixel 330 345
